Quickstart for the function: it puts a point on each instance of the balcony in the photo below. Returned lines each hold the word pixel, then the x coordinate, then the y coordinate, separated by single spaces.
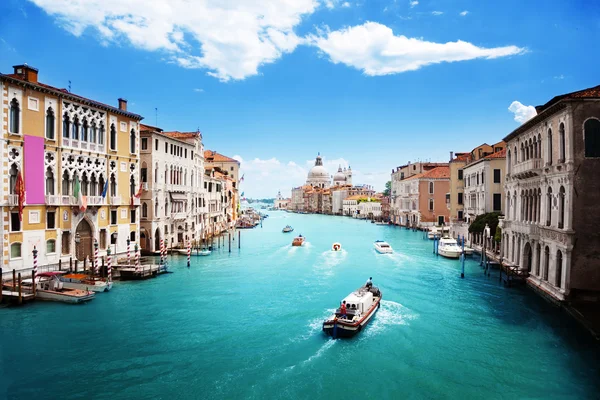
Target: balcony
pixel 135 201
pixel 53 200
pixel 95 201
pixel 180 216
pixel 527 228
pixel 13 200
pixel 145 186
pixel 527 169
pixel 76 144
pixel 115 200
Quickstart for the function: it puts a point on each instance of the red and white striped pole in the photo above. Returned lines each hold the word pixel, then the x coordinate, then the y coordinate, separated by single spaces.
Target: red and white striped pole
pixel 35 253
pixel 128 256
pixel 189 251
pixel 137 258
pixel 96 266
pixel 108 265
pixel 162 250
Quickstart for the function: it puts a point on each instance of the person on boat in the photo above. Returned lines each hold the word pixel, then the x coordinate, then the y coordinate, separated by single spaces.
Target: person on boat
pixel 343 310
pixel 369 283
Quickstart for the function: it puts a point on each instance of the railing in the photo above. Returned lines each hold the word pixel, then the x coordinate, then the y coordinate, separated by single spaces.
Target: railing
pixel 95 200
pixel 115 200
pixel 179 216
pixel 67 142
pixel 13 199
pixel 528 228
pixel 53 200
pixel 527 168
pixel 136 201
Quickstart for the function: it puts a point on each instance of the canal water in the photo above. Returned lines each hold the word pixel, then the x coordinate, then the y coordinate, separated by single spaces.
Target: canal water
pixel 247 325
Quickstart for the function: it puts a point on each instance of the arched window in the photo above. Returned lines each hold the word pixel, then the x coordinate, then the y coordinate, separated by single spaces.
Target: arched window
pixel 84 130
pixel 49 124
pixel 549 207
pixel 561 207
pixel 156 208
pixel 13 172
pixel 15 250
pixel 113 137
pixel 430 187
pixel 166 207
pixel 93 185
pixel 49 181
pixel 526 151
pixel 508 158
pixel 559 264
pixel 66 126
pixel 85 184
pixel 132 186
pixel 549 147
pixel 592 137
pixel 93 131
pixel 539 145
pixel 535 149
pixel 530 148
pixel 156 173
pixel 65 183
pixel 562 144
pixel 166 174
pixel 516 160
pixel 132 142
pixel 75 129
pixel 50 246
pixel 538 260
pixel 144 210
pixel 523 152
pixel 101 183
pixel 546 263
pixel 113 185
pixel 15 116
pixel 101 133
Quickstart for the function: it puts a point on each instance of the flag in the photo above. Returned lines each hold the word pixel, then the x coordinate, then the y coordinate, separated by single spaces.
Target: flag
pixel 242 195
pixel 20 191
pixel 242 178
pixel 105 190
pixel 139 192
pixel 81 200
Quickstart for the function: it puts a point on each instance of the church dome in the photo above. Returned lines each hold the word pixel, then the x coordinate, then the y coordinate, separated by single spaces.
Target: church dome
pixel 339 176
pixel 318 174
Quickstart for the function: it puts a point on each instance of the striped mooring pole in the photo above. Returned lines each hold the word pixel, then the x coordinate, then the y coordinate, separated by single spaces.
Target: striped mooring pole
pixel 189 251
pixel 35 253
pixel 128 256
pixel 162 249
pixel 137 258
pixel 96 266
pixel 108 265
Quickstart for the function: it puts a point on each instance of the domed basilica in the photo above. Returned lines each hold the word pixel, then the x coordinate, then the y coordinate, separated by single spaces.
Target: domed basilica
pixel 318 177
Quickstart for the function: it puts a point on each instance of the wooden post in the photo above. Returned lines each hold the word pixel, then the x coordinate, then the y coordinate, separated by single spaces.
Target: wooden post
pixel 59 264
pixel 70 264
pixel 102 272
pixel 229 244
pixel 76 265
pixel 14 281
pixel 239 239
pixel 84 264
pixel 1 284
pixel 20 290
pixel 33 282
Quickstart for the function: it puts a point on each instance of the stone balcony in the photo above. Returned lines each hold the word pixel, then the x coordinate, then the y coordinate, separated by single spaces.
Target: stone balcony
pixel 528 228
pixel 527 169
pixel 13 200
pixel 115 200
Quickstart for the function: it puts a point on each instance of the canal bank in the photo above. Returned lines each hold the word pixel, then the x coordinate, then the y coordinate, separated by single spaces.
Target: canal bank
pixel 248 325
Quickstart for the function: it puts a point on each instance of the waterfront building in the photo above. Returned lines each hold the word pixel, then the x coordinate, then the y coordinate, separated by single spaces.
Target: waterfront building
pixel 484 184
pixel 398 175
pixel 339 193
pixel 219 194
pixel 552 194
pixel 456 165
pixel 281 203
pixel 231 167
pixel 350 205
pixel 369 209
pixel 421 200
pixel 72 164
pixel 172 201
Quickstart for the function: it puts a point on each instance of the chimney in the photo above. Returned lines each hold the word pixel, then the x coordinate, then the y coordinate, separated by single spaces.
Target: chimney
pixel 26 72
pixel 451 155
pixel 122 104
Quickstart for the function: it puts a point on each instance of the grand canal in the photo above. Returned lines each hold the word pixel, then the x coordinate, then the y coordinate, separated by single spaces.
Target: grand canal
pixel 247 325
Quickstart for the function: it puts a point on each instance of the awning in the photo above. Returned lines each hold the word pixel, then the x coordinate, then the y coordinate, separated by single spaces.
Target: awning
pixel 178 196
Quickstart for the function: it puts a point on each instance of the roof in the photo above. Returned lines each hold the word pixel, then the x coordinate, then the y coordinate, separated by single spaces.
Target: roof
pixel 356 197
pixel 213 156
pixel 554 105
pixel 437 173
pixel 461 157
pixel 498 154
pixel 182 135
pixel 65 93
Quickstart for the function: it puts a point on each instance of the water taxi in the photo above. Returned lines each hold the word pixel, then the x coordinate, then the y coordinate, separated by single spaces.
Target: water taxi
pixel 336 246
pixel 49 287
pixel 298 241
pixel 85 282
pixel 383 247
pixel 287 229
pixel 361 306
pixel 449 248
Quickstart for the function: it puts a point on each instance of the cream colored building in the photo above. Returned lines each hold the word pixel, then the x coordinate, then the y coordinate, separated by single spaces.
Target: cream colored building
pixel 484 185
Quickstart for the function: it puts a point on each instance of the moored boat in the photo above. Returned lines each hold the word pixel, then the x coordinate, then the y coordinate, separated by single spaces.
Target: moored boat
pixel 468 251
pixel 201 252
pixel 449 248
pixel 432 233
pixel 298 241
pixel 287 229
pixel 336 246
pixel 85 282
pixel 361 306
pixel 49 287
pixel 382 247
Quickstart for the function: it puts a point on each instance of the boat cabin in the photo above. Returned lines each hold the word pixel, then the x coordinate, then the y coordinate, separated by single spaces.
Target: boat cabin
pixel 358 303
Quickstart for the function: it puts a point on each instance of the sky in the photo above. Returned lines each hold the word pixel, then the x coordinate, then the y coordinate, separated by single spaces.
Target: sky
pixel 370 84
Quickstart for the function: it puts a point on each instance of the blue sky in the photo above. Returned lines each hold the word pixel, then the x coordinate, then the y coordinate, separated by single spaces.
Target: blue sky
pixel 366 83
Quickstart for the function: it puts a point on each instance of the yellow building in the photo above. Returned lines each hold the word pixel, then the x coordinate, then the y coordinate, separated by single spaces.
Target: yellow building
pixel 230 167
pixel 58 141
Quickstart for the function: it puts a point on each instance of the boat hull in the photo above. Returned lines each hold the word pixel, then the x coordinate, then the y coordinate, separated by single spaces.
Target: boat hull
pixel 63 297
pixel 449 253
pixel 98 287
pixel 339 329
pixel 383 251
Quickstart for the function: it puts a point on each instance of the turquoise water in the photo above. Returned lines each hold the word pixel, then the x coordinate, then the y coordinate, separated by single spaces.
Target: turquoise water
pixel 248 325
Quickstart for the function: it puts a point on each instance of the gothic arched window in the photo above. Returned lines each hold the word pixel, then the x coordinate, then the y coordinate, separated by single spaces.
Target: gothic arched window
pixel 49 181
pixel 15 116
pixel 49 124
pixel 592 137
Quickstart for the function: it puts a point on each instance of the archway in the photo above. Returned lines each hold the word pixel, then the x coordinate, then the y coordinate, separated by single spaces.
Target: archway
pixel 527 257
pixel 157 240
pixel 84 240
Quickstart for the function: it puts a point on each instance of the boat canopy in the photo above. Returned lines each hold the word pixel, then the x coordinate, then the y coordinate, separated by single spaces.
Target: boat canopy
pixel 360 300
pixel 50 274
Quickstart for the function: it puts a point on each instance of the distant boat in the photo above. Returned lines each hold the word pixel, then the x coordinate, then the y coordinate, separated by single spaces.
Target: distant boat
pixel 336 246
pixel 383 247
pixel 287 229
pixel 298 241
pixel 361 306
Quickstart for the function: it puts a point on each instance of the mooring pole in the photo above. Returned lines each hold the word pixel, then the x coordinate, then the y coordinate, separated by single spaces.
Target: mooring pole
pixel 230 242
pixel 239 239
pixel 70 264
pixel 462 272
pixel 14 281
pixel 1 284
pixel 20 289
pixel 33 281
pixel 59 264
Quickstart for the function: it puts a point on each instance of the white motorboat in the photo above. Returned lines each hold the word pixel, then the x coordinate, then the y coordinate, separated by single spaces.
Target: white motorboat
pixel 287 229
pixel 432 233
pixel 202 252
pixel 361 306
pixel 85 282
pixel 49 287
pixel 449 248
pixel 383 247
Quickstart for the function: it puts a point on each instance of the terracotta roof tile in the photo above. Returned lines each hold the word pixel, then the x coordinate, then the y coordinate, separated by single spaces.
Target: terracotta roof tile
pixel 213 156
pixel 498 154
pixel 437 173
pixel 182 135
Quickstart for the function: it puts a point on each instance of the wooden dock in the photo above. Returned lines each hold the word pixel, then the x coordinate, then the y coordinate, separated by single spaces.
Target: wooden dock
pixel 509 273
pixel 131 273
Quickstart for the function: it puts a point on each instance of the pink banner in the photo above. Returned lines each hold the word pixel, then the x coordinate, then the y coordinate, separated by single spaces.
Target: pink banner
pixel 34 170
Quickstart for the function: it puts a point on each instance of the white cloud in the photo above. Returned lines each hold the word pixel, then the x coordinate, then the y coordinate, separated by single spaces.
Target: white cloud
pixel 437 12
pixel 413 3
pixel 522 112
pixel 229 38
pixel 561 76
pixel 374 49
pixel 346 4
pixel 198 90
pixel 464 13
